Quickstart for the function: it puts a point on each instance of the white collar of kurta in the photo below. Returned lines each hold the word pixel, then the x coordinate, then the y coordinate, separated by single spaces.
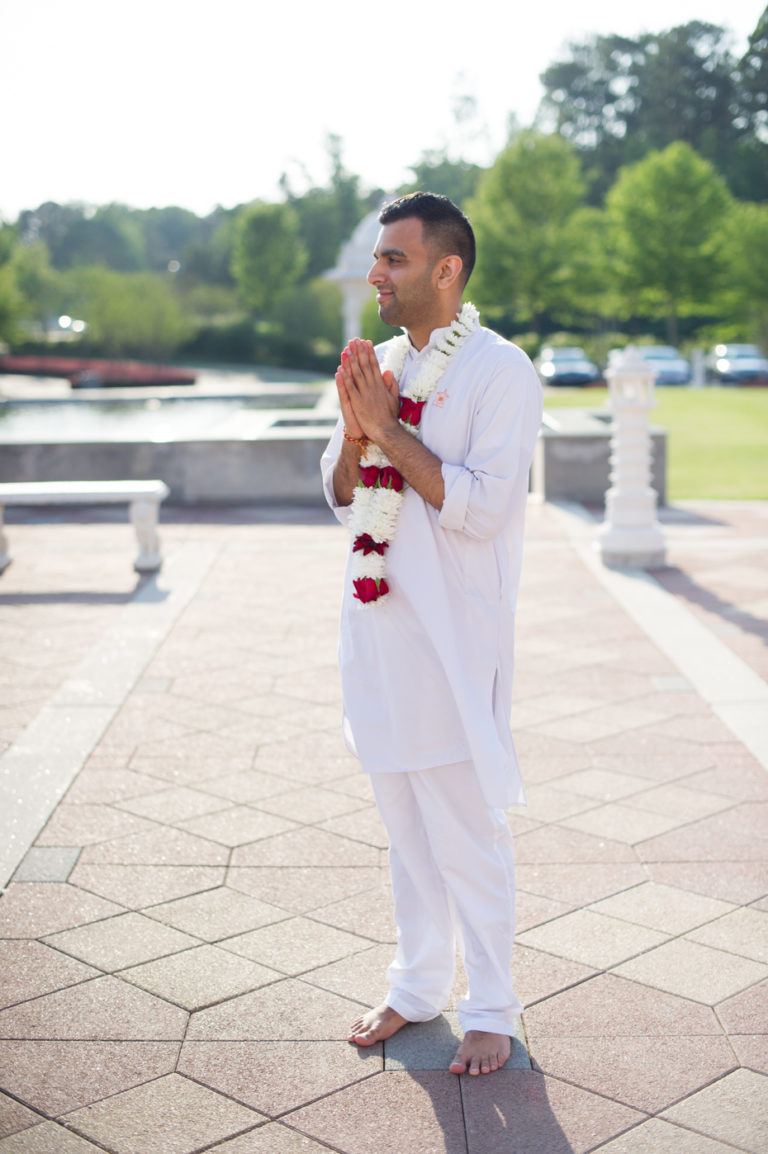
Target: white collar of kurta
pixel 378 497
pixel 443 343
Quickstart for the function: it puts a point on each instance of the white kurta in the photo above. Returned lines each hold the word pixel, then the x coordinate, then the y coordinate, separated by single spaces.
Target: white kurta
pixel 426 672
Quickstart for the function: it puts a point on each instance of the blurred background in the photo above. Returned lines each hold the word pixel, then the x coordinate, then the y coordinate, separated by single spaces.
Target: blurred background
pixel 178 178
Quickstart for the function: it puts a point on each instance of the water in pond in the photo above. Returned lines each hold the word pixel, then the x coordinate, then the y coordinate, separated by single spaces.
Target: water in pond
pixel 141 420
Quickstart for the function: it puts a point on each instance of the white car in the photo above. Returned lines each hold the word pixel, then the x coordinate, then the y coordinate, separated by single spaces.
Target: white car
pixel 737 365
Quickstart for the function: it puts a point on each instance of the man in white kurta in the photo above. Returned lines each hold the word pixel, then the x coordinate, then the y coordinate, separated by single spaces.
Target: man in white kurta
pixel 426 671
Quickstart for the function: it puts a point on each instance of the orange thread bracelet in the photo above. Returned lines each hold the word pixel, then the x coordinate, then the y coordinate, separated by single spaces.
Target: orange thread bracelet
pixel 361 441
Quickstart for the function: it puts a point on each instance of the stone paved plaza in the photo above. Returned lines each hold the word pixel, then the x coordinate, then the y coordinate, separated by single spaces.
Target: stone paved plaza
pixel 199 903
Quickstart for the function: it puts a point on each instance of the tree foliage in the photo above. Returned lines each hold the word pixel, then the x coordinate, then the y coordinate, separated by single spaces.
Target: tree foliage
pixel 617 98
pixel 531 230
pixel 746 255
pixel 666 221
pixel 133 314
pixel 268 255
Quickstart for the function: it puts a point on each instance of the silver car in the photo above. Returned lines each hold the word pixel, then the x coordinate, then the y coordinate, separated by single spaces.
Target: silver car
pixel 737 365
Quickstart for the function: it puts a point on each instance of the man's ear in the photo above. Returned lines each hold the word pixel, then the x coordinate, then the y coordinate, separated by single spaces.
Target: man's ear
pixel 448 271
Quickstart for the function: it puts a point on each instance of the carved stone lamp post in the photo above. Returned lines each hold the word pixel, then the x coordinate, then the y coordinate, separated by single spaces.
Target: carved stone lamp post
pixel 631 536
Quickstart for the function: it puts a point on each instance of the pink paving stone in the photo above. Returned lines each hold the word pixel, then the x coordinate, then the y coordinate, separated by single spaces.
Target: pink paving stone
pixel 247 788
pixel 550 844
pixel 137 886
pixel 44 1138
pixel 276 1077
pixel 652 755
pixel 364 825
pixel 290 1010
pixel 369 915
pixel 169 1116
pixel 647 1073
pixel 739 882
pixel 752 1051
pixel 661 1137
pixel 306 847
pixel 580 883
pixel 101 1008
pixel 736 775
pixel 30 910
pixel 299 889
pixel 747 1012
pixel 172 805
pixel 610 1006
pixel 311 804
pixel 87 824
pixel 681 801
pixel 217 913
pixel 420 1113
pixel 361 977
pixel 738 834
pixel 734 1109
pixel 294 946
pixel 124 940
pixel 54 1077
pixel 29 969
pixel 704 730
pixel 271 1139
pixel 237 825
pixel 160 845
pixel 531 910
pixel 109 785
pixel 538 975
pixel 356 784
pixel 523 1112
pixel 189 770
pixel 14 1117
pixel 200 977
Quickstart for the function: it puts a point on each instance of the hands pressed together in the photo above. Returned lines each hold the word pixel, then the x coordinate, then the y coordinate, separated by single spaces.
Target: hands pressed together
pixel 369 399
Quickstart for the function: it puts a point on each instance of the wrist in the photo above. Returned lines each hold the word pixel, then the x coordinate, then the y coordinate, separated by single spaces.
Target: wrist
pixel 361 441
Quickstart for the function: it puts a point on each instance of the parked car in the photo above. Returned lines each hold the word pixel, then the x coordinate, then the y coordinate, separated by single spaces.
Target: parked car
pixel 737 365
pixel 566 366
pixel 671 367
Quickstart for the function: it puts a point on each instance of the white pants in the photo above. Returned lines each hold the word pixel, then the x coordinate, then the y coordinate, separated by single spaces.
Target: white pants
pixel 453 881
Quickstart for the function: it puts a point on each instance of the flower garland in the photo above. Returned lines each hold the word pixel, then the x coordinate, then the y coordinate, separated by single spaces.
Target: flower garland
pixel 379 493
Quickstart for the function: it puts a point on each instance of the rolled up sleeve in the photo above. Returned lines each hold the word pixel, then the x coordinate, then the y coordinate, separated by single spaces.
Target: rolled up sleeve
pixel 480 492
pixel 327 465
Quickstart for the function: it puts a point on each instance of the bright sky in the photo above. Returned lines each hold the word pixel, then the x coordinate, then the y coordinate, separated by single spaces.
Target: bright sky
pixel 159 102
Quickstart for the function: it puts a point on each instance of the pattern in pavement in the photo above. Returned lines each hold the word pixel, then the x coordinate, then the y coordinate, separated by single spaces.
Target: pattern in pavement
pixel 206 908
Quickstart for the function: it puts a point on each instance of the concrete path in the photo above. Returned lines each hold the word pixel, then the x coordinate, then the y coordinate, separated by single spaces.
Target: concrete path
pixel 199 904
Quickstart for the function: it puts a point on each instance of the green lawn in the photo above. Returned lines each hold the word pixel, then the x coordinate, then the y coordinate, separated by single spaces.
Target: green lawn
pixel 717 439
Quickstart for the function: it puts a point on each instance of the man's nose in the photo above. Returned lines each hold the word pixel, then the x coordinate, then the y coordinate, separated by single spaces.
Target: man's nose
pixel 375 273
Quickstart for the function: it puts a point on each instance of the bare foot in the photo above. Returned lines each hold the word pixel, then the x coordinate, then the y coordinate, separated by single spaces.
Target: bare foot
pixel 376 1025
pixel 481 1053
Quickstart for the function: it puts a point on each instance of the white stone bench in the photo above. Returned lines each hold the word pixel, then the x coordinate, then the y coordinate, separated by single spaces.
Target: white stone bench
pixel 142 497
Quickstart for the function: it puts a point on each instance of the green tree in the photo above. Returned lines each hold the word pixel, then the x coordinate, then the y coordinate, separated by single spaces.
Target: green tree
pixel 327 216
pixel 166 233
pixel 10 298
pixel 530 231
pixel 40 286
pixel 753 78
pixel 746 293
pixel 617 98
pixel 666 232
pixel 110 236
pixel 128 313
pixel 268 255
pixel 435 172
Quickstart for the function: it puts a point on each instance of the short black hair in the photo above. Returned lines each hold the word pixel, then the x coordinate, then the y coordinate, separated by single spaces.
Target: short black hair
pixel 443 222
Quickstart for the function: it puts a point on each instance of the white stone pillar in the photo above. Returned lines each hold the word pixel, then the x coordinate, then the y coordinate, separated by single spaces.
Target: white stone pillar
pixel 355 295
pixel 631 536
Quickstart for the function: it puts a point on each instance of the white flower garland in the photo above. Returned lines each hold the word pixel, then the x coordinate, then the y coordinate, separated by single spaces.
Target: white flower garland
pixel 376 503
